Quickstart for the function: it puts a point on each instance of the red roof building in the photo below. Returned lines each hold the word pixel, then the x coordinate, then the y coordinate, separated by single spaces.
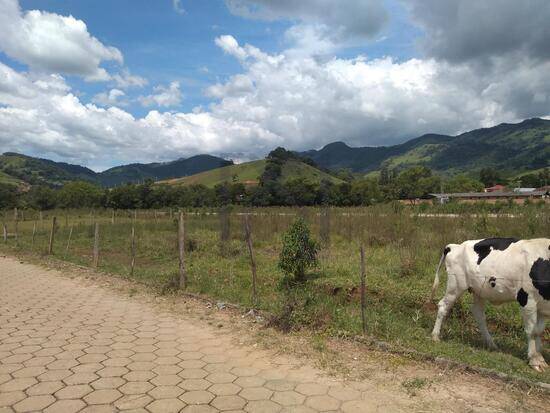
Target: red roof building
pixel 496 188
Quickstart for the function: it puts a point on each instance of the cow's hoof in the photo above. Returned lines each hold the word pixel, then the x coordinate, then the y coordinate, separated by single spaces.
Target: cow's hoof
pixel 538 363
pixel 436 338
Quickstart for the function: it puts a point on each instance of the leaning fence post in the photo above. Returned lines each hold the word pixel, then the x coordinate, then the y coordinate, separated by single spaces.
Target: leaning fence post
pixel 248 236
pixel 5 229
pixel 181 245
pixel 363 298
pixel 69 240
pixel 96 246
pixel 52 234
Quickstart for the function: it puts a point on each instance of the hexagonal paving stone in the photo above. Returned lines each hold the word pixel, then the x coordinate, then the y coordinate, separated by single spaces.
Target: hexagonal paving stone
pixel 228 402
pixel 224 389
pixel 29 372
pixel 166 406
pixel 65 406
pixel 168 380
pixel 322 403
pixel 195 384
pixel 81 378
pixel 34 403
pixel 193 374
pixel 191 364
pixel 17 384
pixel 264 406
pixel 298 409
pixel 253 381
pixel 344 394
pixel 199 409
pixel 288 398
pixel 9 398
pixel 140 375
pixel 133 401
pixel 136 387
pixel 197 397
pixel 166 392
pixel 360 406
pixel 77 391
pixel 280 385
pixel 46 387
pixel 221 378
pixel 102 396
pixel 256 393
pixel 311 389
pixel 108 383
pixel 112 371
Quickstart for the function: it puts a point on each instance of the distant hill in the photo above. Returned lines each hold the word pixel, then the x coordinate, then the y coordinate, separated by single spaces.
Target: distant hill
pixel 249 173
pixel 509 147
pixel 158 171
pixel 19 169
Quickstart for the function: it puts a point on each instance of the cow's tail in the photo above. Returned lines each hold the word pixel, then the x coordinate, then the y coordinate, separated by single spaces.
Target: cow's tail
pixel 436 279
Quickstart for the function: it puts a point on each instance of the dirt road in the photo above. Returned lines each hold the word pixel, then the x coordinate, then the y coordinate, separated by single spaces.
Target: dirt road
pixel 68 345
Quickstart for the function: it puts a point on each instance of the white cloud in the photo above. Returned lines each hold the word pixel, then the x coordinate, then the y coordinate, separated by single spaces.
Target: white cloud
pixel 51 43
pixel 113 97
pixel 163 96
pixel 176 4
pixel 286 100
pixel 126 80
pixel 319 26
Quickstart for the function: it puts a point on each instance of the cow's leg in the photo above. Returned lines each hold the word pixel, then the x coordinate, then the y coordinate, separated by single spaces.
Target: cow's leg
pixel 453 293
pixel 539 331
pixel 530 324
pixel 478 309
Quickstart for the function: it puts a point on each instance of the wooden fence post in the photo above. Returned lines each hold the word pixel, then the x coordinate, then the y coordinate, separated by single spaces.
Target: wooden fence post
pixel 181 245
pixel 363 287
pixel 5 230
pixel 41 220
pixel 96 246
pixel 33 233
pixel 52 234
pixel 133 249
pixel 69 240
pixel 248 236
pixel 113 217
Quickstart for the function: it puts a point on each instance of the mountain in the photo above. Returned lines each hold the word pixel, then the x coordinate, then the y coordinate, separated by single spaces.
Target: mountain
pixel 249 173
pixel 36 171
pixel 18 168
pixel 158 171
pixel 509 147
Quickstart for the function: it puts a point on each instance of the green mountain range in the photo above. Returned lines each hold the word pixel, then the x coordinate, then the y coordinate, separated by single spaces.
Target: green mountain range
pixel 22 169
pixel 508 147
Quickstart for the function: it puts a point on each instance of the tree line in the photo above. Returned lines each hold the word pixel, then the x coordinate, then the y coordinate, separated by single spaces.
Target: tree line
pixel 272 190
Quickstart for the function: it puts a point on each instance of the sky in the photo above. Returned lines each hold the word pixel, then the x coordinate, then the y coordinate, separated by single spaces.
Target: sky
pixel 102 83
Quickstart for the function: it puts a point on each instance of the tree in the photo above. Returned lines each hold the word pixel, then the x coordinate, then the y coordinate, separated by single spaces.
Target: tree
pixel 415 182
pixel 8 196
pixel 41 197
pixel 463 183
pixel 80 194
pixel 491 177
pixel 299 252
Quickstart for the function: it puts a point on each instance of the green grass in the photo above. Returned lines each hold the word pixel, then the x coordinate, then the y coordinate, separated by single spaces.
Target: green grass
pixel 249 173
pixel 402 251
pixel 10 180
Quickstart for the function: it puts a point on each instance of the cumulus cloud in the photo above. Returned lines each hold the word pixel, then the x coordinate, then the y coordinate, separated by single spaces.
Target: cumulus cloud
pixel 320 25
pixel 176 4
pixel 278 100
pixel 163 96
pixel 126 80
pixel 466 30
pixel 51 43
pixel 113 97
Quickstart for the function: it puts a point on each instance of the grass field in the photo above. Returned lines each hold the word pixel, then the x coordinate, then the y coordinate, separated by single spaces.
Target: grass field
pixel 249 173
pixel 402 251
pixel 10 180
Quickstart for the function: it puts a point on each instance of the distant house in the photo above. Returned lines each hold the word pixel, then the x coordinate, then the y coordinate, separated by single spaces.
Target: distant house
pixel 496 188
pixel 469 197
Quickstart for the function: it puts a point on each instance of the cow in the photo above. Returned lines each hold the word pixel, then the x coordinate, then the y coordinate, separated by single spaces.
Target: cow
pixel 499 270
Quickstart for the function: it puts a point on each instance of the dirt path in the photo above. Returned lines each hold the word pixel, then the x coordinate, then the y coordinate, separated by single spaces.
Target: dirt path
pixel 68 344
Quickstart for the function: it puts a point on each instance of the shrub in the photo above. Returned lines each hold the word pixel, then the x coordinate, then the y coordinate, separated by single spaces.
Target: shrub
pixel 299 251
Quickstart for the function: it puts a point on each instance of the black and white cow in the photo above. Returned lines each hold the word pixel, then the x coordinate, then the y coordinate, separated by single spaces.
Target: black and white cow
pixel 500 270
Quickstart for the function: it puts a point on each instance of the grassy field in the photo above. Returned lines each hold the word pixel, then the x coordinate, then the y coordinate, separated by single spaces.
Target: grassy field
pixel 8 179
pixel 402 251
pixel 249 173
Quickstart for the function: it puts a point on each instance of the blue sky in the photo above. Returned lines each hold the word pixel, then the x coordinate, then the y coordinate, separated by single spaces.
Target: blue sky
pixel 138 80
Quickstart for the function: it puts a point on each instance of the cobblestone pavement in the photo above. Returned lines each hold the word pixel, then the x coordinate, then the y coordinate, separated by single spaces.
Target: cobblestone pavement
pixel 70 347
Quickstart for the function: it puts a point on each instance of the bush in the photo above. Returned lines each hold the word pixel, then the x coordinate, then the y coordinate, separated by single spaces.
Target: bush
pixel 299 251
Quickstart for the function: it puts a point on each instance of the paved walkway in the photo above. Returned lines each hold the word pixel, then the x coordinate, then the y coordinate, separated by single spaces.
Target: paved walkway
pixel 67 347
